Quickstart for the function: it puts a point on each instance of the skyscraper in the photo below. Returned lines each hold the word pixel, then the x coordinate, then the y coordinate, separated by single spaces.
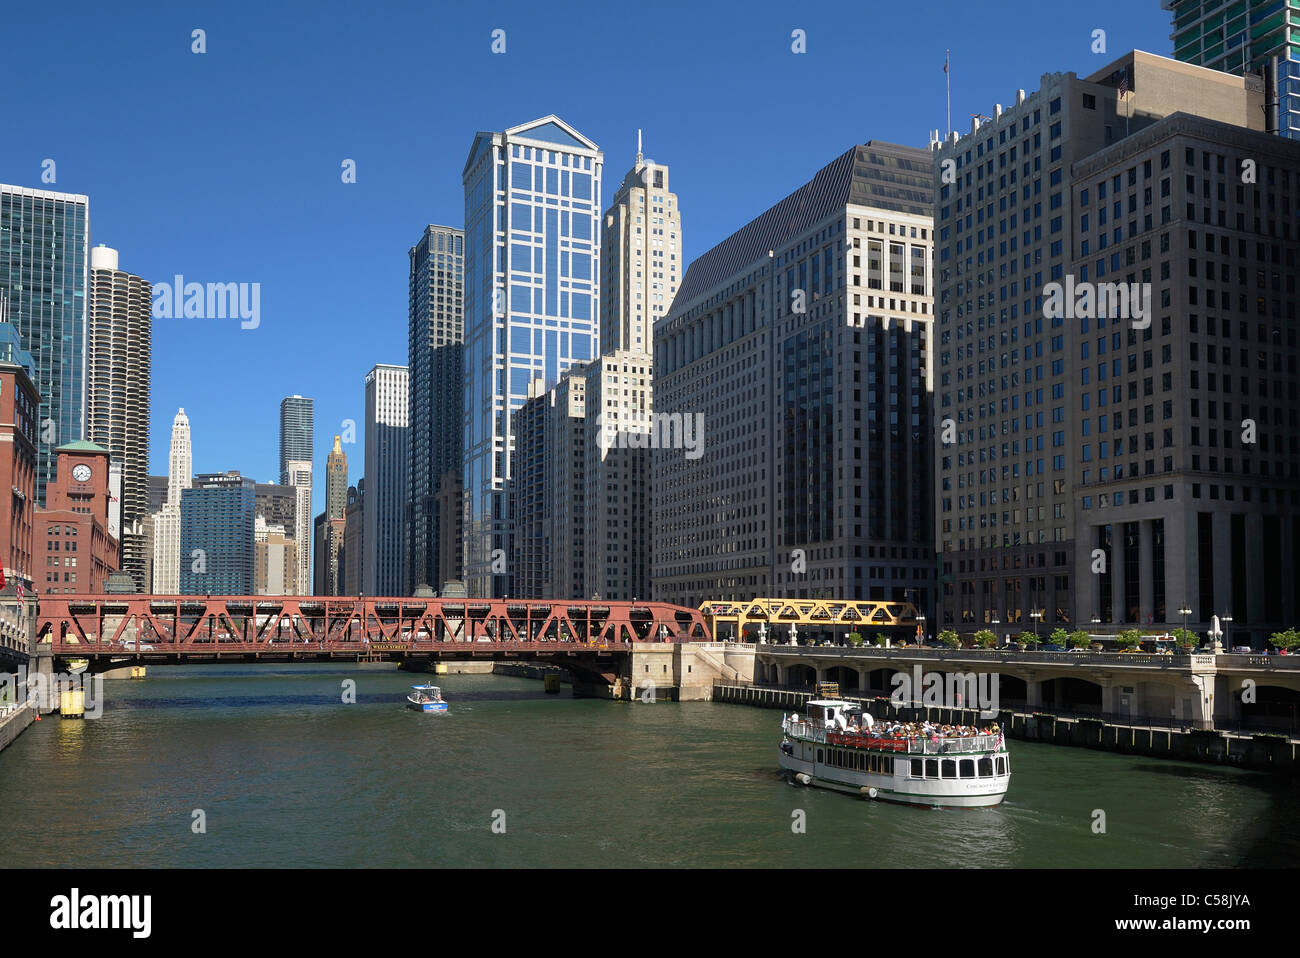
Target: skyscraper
pixel 167 521
pixel 640 273
pixel 1031 409
pixel 330 524
pixel 117 383
pixel 352 561
pixel 44 271
pixel 218 534
pixel 547 491
pixel 532 291
pixel 436 363
pixel 640 257
pixel 385 499
pixel 299 471
pixel 336 481
pixel 296 433
pixel 792 451
pixel 1241 37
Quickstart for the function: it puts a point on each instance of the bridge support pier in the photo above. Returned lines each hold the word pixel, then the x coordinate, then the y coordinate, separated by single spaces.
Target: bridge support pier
pixel 1033 693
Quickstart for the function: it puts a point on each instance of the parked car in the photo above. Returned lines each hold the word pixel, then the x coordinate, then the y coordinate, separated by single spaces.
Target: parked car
pixel 1243 649
pixel 130 644
pixel 1052 647
pixel 1013 647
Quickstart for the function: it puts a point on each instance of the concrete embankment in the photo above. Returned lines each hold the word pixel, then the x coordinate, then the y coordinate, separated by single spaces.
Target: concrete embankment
pixel 1257 752
pixel 14 722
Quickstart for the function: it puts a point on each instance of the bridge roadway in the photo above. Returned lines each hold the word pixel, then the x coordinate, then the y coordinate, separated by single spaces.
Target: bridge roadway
pixel 1199 688
pixel 595 640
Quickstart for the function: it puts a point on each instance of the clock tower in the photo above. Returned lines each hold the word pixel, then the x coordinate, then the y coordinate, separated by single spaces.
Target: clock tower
pixel 74 551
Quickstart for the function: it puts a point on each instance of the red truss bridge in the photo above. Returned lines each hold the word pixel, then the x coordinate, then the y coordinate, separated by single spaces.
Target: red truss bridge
pixel 189 628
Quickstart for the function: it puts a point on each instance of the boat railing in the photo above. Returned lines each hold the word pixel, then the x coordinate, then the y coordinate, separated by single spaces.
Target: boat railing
pixel 920 744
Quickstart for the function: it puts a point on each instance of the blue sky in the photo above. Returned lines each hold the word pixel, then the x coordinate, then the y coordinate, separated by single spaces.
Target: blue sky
pixel 225 166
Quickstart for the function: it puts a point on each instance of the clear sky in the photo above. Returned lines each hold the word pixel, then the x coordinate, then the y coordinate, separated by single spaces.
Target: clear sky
pixel 226 166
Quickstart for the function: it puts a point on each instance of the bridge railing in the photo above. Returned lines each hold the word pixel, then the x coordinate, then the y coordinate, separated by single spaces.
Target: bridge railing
pixel 990 655
pixel 920 744
pixel 199 624
pixel 1244 660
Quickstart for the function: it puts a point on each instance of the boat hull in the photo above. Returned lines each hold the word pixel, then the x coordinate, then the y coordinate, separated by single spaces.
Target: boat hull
pixel 899 787
pixel 427 706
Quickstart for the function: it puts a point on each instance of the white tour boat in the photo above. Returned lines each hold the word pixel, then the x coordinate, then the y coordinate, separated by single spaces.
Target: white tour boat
pixel 839 746
pixel 426 698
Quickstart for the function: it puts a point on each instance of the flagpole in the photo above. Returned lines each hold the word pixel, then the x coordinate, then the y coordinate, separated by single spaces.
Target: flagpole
pixel 947 81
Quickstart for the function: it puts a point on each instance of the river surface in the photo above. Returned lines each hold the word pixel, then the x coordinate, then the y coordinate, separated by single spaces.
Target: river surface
pixel 281 772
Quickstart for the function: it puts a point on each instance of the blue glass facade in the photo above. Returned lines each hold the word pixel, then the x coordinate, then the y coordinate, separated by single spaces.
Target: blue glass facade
pixel 296 433
pixel 1288 94
pixel 217 529
pixel 532 251
pixel 44 275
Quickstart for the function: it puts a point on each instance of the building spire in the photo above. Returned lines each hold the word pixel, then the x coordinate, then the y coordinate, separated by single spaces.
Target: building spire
pixel 638 147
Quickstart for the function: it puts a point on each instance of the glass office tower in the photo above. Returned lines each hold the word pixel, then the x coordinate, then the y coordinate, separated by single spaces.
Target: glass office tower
pixel 44 273
pixel 1260 37
pixel 532 244
pixel 217 526
pixel 296 432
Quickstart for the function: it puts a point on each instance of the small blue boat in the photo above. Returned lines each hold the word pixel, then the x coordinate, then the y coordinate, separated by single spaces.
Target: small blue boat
pixel 426 698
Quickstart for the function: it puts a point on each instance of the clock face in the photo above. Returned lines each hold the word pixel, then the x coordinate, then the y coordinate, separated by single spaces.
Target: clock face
pixel 81 473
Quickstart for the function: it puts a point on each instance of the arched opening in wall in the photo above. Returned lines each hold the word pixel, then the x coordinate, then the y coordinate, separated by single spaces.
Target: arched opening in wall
pixel 878 681
pixel 1275 709
pixel 1078 695
pixel 846 677
pixel 1013 692
pixel 802 676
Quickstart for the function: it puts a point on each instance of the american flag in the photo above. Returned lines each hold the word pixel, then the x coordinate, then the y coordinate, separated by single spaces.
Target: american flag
pixel 20 594
pixel 1123 83
pixel 945 61
pixel 1001 739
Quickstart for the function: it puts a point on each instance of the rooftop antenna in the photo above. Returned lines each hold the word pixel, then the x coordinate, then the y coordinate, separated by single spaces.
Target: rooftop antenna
pixel 638 147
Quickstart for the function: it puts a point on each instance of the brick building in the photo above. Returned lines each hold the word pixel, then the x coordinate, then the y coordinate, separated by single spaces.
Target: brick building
pixel 73 551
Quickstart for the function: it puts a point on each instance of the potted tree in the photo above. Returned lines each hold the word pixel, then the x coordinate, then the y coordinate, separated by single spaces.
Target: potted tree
pixel 1184 639
pixel 1129 640
pixel 855 639
pixel 985 639
pixel 1284 642
pixel 1079 639
pixel 949 638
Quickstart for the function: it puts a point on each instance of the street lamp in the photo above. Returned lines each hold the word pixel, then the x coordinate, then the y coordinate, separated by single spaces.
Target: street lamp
pixel 920 621
pixel 1184 612
pixel 1036 614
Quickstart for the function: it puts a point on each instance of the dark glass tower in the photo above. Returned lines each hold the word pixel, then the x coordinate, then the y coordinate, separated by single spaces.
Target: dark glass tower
pixel 295 433
pixel 436 363
pixel 44 265
pixel 217 527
